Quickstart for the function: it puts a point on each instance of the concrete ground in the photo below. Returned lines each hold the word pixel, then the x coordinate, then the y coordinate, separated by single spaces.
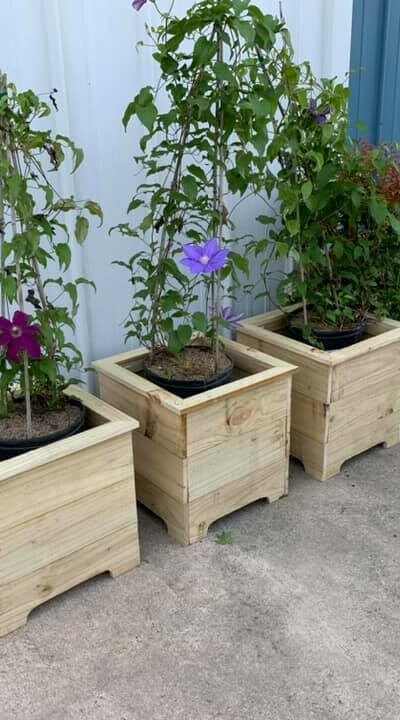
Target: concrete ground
pixel 298 618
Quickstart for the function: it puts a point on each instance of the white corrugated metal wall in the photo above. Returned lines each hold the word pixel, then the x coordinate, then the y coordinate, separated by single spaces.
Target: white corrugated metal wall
pixel 86 49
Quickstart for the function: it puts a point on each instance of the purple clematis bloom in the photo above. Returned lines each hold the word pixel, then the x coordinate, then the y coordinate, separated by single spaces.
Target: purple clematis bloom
pixel 18 336
pixel 320 116
pixel 138 4
pixel 205 258
pixel 230 317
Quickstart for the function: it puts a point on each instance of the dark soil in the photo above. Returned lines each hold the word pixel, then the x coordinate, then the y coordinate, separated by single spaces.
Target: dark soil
pixel 44 422
pixel 193 363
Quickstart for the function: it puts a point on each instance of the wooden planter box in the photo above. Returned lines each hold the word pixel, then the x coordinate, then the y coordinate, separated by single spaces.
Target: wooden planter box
pixel 200 458
pixel 344 401
pixel 67 513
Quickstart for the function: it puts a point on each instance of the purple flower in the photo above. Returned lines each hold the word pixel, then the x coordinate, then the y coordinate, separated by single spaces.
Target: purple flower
pixel 18 336
pixel 138 4
pixel 320 116
pixel 229 316
pixel 205 259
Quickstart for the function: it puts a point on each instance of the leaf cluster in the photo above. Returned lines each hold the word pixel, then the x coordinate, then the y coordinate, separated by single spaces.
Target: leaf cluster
pixel 35 241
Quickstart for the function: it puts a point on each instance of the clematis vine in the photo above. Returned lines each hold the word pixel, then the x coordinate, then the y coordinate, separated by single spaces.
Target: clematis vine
pixel 18 336
pixel 138 4
pixel 320 116
pixel 205 258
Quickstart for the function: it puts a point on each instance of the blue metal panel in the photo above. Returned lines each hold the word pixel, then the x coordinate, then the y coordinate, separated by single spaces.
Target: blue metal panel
pixel 375 70
pixel 389 107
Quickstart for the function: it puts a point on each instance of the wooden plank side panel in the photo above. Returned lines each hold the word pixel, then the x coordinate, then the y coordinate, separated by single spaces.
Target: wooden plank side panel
pixel 162 468
pixel 312 379
pixel 46 538
pixel 272 484
pixel 237 415
pixel 116 553
pixel 378 402
pixel 55 484
pixel 310 417
pixel 168 429
pixel 355 375
pixel 172 512
pixel 238 457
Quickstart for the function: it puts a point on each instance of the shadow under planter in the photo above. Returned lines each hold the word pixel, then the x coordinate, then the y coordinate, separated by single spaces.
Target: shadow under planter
pixel 200 458
pixel 344 401
pixel 67 512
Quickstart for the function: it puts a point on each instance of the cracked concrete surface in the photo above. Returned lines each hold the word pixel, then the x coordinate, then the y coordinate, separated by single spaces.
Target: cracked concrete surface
pixel 298 619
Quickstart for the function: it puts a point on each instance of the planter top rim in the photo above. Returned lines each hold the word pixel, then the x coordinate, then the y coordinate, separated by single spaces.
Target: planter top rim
pixel 263 373
pixel 116 423
pixel 390 333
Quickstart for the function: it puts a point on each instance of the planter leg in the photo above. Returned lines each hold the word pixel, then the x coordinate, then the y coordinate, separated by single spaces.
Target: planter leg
pixel 322 472
pixel 13 620
pixel 391 440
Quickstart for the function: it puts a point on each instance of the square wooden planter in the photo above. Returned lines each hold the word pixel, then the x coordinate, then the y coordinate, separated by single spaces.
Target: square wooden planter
pixel 344 401
pixel 67 512
pixel 200 458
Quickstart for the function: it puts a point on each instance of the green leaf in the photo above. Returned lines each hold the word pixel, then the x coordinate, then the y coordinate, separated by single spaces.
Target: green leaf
pixel 224 538
pixel 239 262
pixel 378 210
pixel 94 209
pixel 174 344
pixel 81 229
pixel 224 73
pixel 147 115
pixel 395 223
pixel 245 29
pixel 63 253
pixel 49 368
pixel 190 187
pixel 129 112
pixel 203 51
pixel 306 189
pixel 184 333
pixel 199 320
pixel 266 219
pixel 292 226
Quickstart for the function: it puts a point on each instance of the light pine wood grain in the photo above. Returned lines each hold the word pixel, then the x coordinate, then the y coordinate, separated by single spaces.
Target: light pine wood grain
pixel 343 402
pixel 67 512
pixel 228 446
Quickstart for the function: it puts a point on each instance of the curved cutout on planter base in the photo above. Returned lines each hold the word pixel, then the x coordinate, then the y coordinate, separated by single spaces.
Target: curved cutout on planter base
pixel 67 512
pixel 344 402
pixel 200 458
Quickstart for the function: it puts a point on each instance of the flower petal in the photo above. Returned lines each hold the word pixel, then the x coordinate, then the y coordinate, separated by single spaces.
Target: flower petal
pixel 193 251
pixel 20 345
pixel 5 324
pixel 194 265
pixel 20 318
pixel 218 260
pixel 211 247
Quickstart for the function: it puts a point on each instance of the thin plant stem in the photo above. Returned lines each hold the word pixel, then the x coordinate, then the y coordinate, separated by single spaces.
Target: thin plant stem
pixel 27 389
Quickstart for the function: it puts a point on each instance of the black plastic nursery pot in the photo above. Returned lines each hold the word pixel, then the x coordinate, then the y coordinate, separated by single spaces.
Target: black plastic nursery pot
pixel 185 388
pixel 13 448
pixel 331 339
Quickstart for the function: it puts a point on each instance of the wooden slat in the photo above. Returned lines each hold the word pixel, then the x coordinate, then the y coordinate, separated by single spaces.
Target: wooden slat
pixel 36 491
pixel 162 468
pixel 156 422
pixel 360 370
pixel 117 551
pixel 172 512
pixel 241 456
pixel 45 538
pixel 312 379
pixel 310 417
pixel 235 415
pixel 272 485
